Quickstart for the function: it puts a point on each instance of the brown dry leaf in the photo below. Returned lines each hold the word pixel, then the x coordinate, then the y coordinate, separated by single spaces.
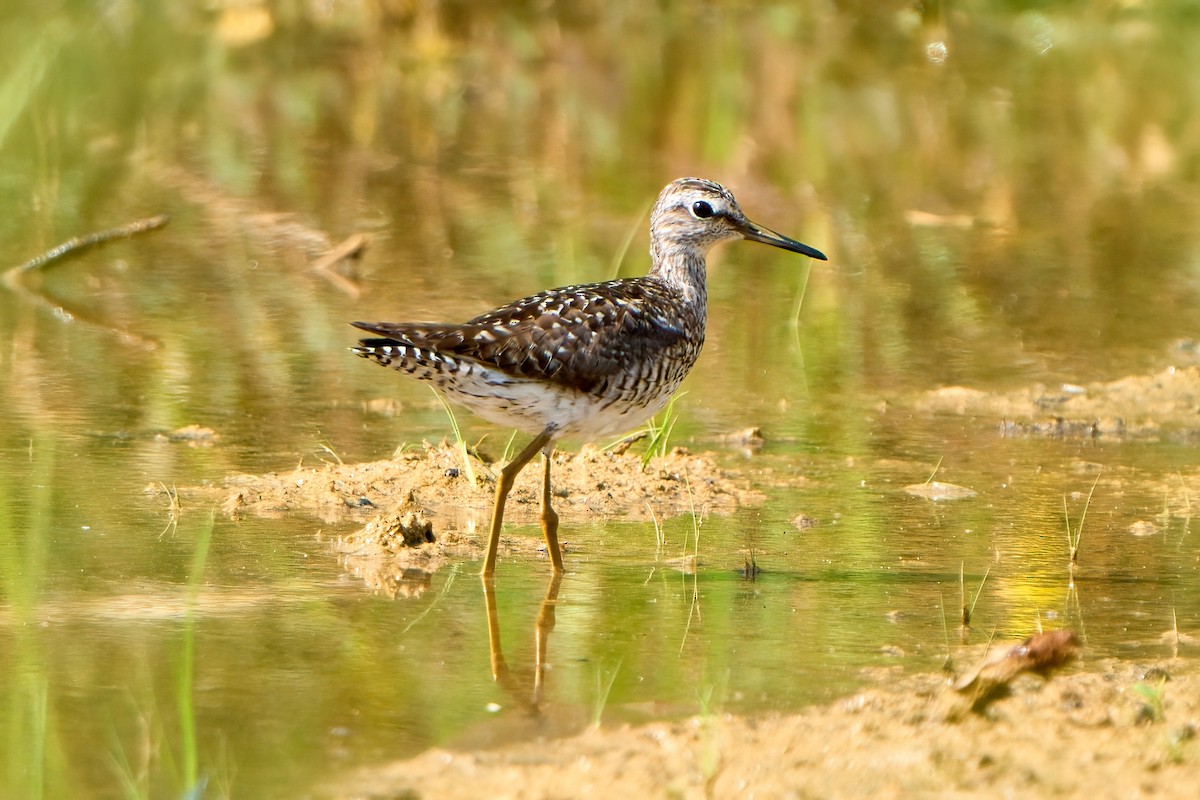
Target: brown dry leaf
pixel 1040 654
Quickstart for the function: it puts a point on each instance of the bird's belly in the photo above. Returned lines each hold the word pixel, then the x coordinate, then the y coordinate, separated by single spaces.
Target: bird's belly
pixel 531 406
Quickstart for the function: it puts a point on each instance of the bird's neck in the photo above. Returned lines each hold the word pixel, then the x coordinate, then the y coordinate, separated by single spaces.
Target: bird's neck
pixel 683 271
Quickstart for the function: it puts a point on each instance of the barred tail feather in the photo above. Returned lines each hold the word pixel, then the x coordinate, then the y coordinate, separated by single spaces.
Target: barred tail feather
pixel 422 363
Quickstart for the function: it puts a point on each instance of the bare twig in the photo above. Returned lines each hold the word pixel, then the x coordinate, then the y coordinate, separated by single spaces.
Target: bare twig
pixel 72 247
pixel 77 244
pixel 349 248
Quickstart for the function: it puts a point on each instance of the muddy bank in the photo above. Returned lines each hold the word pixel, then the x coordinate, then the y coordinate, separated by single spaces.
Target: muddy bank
pixel 1163 403
pixel 588 484
pixel 1109 730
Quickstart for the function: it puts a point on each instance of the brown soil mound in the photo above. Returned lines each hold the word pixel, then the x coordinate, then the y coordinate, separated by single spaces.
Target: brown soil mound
pixel 421 506
pixel 590 483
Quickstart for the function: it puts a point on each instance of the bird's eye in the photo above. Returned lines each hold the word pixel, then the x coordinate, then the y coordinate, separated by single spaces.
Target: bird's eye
pixel 702 209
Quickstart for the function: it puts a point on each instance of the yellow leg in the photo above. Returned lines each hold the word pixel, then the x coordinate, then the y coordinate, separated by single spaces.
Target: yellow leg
pixel 503 486
pixel 550 519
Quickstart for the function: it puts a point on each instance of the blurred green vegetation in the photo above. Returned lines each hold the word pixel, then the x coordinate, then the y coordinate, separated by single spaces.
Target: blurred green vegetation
pixel 1007 192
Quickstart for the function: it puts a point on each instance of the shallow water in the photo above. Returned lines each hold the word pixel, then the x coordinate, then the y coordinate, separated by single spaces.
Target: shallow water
pixel 1020 212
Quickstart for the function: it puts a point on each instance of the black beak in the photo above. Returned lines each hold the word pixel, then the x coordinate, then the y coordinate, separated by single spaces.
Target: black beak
pixel 757 233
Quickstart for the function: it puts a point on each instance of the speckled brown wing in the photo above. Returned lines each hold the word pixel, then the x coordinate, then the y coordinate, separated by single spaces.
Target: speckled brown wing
pixel 576 336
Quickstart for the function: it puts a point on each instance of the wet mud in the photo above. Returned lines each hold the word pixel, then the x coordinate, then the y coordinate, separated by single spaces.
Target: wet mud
pixel 1162 404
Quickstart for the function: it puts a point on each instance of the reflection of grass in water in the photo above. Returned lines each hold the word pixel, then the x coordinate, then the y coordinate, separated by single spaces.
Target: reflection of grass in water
pixel 660 538
pixel 710 696
pixel 694 607
pixel 141 777
pixel 136 780
pixel 34 764
pixel 436 601
pixel 174 509
pixel 797 305
pixel 193 785
pixel 1187 497
pixel 24 78
pixel 133 782
pixel 604 685
pixel 38 694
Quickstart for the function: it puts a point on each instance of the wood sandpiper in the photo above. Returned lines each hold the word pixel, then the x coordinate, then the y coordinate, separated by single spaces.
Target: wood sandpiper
pixel 582 361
